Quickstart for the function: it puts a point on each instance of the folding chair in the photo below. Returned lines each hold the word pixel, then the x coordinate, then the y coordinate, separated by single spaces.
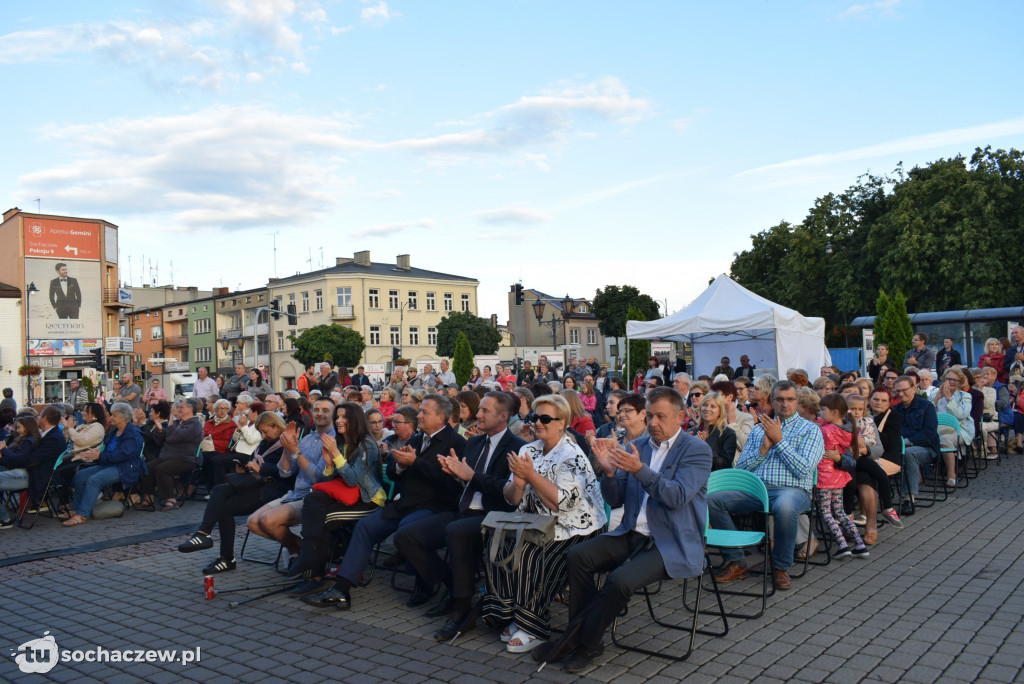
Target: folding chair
pixel 815 528
pixel 732 480
pixel 692 628
pixel 51 497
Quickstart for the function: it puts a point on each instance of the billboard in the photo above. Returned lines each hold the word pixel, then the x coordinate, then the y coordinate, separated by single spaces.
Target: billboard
pixel 58 239
pixel 63 347
pixel 66 304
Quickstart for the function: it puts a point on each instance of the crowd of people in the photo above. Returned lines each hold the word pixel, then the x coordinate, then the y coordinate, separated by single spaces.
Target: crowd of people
pixel 333 468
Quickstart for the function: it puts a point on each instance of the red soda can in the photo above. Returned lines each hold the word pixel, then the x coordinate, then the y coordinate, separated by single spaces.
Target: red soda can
pixel 208 581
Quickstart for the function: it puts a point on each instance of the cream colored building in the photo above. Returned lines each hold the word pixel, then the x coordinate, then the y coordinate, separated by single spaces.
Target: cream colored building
pixel 391 305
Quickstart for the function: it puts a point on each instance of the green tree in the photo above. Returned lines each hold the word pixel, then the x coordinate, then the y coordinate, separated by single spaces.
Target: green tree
pixel 611 308
pixel 462 359
pixel 639 350
pixel 482 337
pixel 892 324
pixel 338 344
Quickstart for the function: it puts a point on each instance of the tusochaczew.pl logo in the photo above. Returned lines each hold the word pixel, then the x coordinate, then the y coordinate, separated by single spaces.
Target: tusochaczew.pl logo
pixel 39 656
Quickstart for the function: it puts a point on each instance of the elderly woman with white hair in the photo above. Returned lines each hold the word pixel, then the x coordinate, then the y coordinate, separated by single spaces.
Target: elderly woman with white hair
pixel 119 461
pixel 220 428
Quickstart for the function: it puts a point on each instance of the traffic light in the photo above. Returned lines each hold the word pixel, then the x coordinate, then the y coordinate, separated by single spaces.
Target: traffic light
pixel 293 316
pixel 396 353
pixel 97 360
pixel 275 308
pixel 117 372
pixel 518 289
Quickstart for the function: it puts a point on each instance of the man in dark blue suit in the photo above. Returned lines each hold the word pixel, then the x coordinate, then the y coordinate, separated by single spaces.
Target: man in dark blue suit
pixel 39 461
pixel 662 481
pixel 484 472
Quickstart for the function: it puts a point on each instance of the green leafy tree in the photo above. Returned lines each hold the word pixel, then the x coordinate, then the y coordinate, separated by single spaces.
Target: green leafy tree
pixel 892 324
pixel 611 308
pixel 335 343
pixel 462 359
pixel 482 337
pixel 639 350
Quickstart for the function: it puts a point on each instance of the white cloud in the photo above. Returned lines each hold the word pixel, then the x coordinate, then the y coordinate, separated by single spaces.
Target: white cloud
pixel 511 214
pixel 883 8
pixel 680 125
pixel 378 14
pixel 915 143
pixel 386 194
pixel 389 228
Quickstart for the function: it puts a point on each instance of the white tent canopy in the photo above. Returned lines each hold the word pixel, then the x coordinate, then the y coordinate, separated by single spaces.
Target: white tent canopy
pixel 729 320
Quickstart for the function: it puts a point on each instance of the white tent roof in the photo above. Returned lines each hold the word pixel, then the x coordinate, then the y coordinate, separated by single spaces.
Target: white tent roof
pixel 728 314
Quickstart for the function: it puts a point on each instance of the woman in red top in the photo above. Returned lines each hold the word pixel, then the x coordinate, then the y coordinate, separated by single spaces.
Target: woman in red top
pixel 581 421
pixel 221 428
pixel 995 358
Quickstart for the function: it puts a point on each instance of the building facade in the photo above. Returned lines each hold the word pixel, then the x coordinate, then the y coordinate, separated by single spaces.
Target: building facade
pixel 240 325
pixel 393 306
pixel 202 334
pixel 577 333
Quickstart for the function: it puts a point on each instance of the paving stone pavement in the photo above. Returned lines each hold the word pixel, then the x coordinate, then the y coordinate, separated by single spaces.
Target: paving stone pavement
pixel 940 601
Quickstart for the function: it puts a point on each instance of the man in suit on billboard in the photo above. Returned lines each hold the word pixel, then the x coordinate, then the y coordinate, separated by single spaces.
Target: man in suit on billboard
pixel 65 295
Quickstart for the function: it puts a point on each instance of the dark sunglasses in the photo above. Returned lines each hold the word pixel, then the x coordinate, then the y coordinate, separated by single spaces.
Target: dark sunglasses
pixel 540 418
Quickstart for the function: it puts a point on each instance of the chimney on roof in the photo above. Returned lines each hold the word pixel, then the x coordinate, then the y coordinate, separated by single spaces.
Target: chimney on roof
pixel 222 290
pixel 403 262
pixel 11 212
pixel 363 258
pixel 341 261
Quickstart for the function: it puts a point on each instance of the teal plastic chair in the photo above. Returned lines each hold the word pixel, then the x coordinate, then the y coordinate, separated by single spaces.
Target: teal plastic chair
pixel 733 480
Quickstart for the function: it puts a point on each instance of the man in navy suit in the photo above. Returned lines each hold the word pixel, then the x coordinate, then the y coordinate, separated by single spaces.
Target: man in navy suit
pixel 484 471
pixel 662 480
pixel 39 461
pixel 65 294
pixel 423 489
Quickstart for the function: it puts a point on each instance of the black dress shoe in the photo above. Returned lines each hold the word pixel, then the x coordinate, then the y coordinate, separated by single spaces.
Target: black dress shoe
pixel 420 596
pixel 907 508
pixel 442 607
pixel 453 627
pixel 581 659
pixel 309 588
pixel 332 598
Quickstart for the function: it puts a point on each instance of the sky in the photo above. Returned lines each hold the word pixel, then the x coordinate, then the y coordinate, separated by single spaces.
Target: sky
pixel 567 145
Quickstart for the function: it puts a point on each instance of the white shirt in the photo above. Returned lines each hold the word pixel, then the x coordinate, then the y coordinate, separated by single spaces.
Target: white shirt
pixel 478 498
pixel 205 388
pixel 657 460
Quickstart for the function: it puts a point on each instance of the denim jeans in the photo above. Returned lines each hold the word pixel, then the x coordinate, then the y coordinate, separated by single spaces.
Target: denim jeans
pixel 12 480
pixel 88 484
pixel 785 505
pixel 367 532
pixel 915 459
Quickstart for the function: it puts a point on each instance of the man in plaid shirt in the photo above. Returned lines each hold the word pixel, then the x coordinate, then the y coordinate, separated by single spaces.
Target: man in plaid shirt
pixel 784 452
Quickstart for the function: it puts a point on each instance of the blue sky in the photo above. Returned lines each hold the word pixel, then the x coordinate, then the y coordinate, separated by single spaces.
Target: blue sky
pixel 570 144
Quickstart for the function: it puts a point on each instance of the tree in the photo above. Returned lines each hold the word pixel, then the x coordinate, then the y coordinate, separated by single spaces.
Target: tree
pixel 482 337
pixel 639 350
pixel 338 344
pixel 611 308
pixel 462 359
pixel 892 324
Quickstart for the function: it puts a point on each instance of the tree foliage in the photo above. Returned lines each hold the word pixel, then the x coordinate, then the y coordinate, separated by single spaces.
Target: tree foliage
pixel 335 343
pixel 892 324
pixel 941 234
pixel 639 350
pixel 611 308
pixel 462 359
pixel 482 337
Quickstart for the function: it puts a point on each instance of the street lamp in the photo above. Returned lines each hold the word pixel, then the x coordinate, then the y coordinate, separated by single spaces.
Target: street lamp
pixel 29 291
pixel 568 308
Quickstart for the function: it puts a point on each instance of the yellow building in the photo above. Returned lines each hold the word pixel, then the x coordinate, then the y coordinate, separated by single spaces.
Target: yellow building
pixel 391 305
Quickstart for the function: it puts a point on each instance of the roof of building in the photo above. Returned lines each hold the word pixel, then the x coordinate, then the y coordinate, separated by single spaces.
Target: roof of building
pixel 557 302
pixel 376 269
pixel 9 291
pixel 961 316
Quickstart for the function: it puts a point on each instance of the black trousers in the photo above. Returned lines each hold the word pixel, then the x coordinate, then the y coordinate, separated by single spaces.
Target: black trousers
pixel 595 610
pixel 871 474
pixel 225 503
pixel 322 515
pixel 419 542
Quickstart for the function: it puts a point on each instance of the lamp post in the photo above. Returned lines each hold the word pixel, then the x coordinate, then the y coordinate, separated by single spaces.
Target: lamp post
pixel 29 291
pixel 568 307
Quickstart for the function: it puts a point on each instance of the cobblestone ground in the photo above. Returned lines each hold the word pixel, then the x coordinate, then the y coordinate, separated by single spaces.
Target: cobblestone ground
pixel 938 601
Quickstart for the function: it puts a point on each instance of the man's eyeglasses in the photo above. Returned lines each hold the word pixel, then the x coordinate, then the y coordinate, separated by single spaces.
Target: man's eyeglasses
pixel 904 390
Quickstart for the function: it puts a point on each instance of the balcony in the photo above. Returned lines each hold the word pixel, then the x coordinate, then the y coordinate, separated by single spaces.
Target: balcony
pixel 229 334
pixel 176 341
pixel 111 297
pixel 262 330
pixel 342 313
pixel 250 362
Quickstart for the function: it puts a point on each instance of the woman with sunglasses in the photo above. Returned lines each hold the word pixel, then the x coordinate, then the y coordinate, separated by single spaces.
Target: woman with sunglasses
pixel 550 476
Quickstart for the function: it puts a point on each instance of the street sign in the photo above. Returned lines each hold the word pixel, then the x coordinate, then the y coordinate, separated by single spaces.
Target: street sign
pixel 60 239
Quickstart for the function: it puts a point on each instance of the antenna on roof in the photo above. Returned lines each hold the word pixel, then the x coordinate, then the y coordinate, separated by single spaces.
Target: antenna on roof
pixel 274 234
pixel 39 205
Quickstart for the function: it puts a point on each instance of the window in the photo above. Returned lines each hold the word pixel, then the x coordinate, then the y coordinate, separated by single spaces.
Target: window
pixel 344 295
pixel 373 298
pixel 432 337
pixel 319 294
pixel 591 336
pixel 158 332
pixel 413 300
pixel 305 302
pixel 259 298
pixel 431 302
pixel 291 300
pixel 574 336
pixel 291 340
pixel 263 346
pixel 206 307
pixel 138 334
pixel 280 340
pixel 447 301
pixel 395 339
pixel 202 325
pixel 392 299
pixel 193 310
pixel 465 302
pixel 414 336
pixel 375 335
pixel 581 308
pixel 203 355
